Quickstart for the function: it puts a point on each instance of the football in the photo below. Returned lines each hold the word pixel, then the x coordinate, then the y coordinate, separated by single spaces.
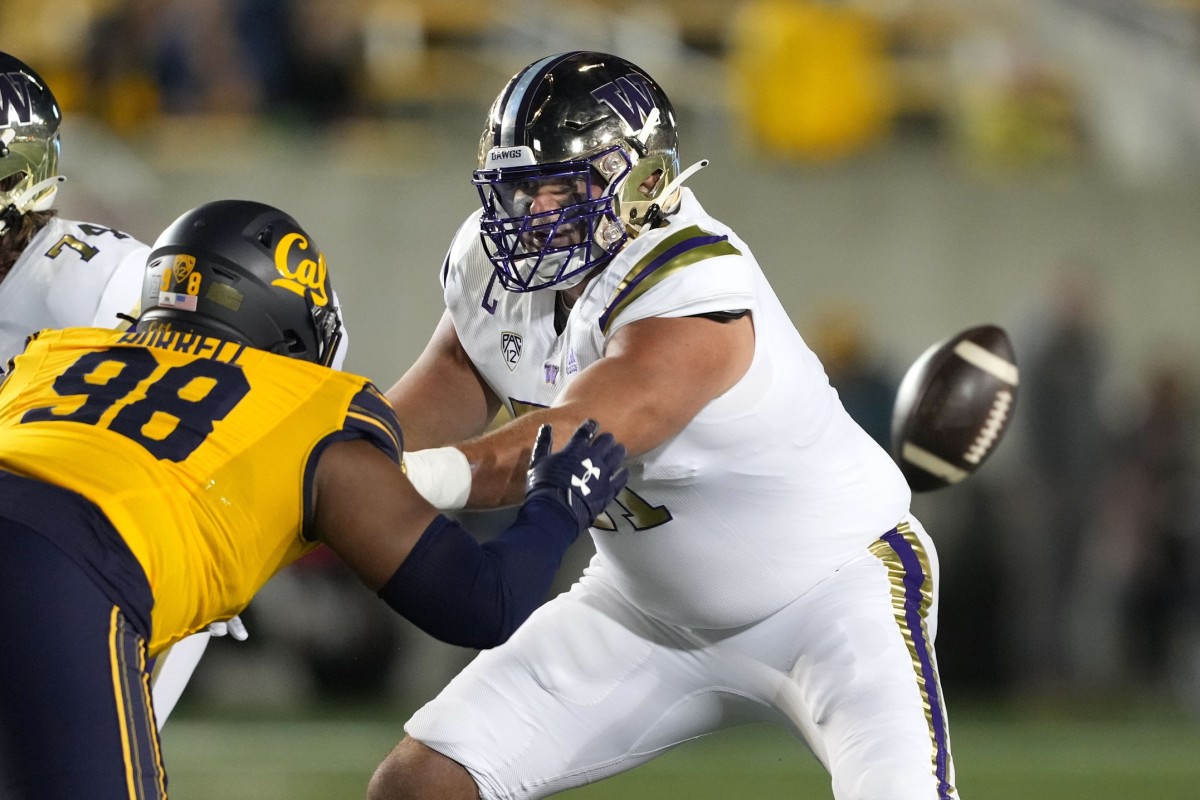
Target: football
pixel 953 407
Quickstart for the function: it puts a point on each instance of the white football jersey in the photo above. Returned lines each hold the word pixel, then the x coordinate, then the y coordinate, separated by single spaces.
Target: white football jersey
pixel 765 492
pixel 71 274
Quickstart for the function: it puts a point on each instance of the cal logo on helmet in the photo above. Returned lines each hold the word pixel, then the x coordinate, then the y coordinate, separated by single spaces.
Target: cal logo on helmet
pixel 301 273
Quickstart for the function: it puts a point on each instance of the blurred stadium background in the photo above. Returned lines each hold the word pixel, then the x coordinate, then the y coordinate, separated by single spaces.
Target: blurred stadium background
pixel 903 169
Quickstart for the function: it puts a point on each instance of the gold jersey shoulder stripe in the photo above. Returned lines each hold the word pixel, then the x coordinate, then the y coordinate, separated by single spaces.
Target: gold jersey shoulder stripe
pixel 679 250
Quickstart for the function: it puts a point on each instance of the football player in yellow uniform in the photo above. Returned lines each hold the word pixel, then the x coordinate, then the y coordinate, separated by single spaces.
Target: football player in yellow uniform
pixel 151 481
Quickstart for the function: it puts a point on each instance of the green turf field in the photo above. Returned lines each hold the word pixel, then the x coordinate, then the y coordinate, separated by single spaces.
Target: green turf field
pixel 1000 755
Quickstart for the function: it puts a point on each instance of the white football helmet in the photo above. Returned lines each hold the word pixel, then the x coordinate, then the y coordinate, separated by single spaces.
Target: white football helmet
pixel 29 122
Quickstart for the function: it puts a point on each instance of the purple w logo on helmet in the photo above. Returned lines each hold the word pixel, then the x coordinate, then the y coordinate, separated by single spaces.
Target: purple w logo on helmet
pixel 629 96
pixel 14 96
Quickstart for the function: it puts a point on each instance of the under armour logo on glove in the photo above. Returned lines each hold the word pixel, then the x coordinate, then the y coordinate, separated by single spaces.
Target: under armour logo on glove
pixel 580 482
pixel 557 477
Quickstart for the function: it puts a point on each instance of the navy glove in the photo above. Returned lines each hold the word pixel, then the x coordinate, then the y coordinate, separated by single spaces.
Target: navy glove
pixel 583 477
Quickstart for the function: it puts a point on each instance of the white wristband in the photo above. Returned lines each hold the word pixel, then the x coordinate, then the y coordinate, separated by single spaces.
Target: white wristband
pixel 442 475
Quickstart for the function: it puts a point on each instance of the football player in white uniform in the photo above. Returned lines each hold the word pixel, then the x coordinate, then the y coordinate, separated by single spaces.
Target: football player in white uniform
pixel 57 273
pixel 762 563
pixel 54 273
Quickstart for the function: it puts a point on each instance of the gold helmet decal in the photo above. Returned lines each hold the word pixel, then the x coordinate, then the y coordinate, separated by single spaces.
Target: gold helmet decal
pixel 300 274
pixel 180 285
pixel 183 267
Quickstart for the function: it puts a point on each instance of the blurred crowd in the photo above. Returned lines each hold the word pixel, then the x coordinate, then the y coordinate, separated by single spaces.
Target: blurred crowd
pixel 1075 569
pixel 129 62
pixel 1070 563
pixel 811 78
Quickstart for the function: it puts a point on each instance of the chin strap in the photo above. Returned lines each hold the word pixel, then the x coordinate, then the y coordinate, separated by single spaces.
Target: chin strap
pixel 23 202
pixel 655 213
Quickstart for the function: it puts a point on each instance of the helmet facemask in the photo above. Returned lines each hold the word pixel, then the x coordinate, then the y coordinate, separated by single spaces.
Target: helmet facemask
pixel 533 249
pixel 327 321
pixel 597 124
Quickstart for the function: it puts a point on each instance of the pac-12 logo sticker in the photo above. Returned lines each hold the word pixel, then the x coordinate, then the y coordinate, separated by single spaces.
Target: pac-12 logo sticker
pixel 510 348
pixel 182 268
pixel 180 284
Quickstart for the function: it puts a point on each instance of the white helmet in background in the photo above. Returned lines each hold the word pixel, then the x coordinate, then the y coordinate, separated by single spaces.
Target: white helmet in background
pixel 29 122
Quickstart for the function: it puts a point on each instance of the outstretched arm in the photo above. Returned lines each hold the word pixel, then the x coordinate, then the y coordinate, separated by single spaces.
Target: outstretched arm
pixel 656 375
pixel 428 568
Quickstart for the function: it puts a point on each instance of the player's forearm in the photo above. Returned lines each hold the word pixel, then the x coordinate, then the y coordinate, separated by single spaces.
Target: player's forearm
pixel 488 472
pixel 475 595
pixel 434 415
pixel 499 458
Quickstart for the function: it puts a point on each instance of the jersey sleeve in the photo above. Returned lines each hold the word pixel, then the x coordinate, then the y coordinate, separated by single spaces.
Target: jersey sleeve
pixel 688 272
pixel 459 261
pixel 369 416
pixel 123 291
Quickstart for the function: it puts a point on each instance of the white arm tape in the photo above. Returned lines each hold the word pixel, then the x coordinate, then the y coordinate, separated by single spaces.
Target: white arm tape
pixel 442 475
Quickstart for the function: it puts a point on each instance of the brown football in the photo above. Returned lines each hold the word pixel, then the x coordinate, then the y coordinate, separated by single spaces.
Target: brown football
pixel 953 407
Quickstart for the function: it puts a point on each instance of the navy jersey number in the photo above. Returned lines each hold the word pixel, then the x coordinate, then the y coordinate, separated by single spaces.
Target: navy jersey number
pixel 194 396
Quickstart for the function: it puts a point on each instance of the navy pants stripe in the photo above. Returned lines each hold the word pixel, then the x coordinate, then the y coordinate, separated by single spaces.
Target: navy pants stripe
pixel 75 711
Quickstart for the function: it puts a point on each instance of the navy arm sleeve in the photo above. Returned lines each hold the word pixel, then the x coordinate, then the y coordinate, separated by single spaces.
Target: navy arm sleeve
pixel 475 595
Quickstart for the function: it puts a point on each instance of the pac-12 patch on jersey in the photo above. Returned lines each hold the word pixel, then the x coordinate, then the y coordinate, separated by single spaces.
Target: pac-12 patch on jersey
pixel 510 348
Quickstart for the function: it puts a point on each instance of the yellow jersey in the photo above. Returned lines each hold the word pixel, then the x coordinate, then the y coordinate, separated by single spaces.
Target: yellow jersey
pixel 200 451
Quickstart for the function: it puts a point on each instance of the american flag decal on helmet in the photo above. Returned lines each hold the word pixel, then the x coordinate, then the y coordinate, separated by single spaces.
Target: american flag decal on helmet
pixel 510 348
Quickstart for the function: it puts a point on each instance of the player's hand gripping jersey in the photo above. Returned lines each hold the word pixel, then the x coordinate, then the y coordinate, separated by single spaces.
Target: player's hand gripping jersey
pixel 128 421
pixel 727 533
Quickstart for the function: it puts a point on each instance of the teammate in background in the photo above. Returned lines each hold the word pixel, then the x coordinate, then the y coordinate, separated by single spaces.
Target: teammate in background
pixel 151 481
pixel 54 273
pixel 761 564
pixel 58 273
